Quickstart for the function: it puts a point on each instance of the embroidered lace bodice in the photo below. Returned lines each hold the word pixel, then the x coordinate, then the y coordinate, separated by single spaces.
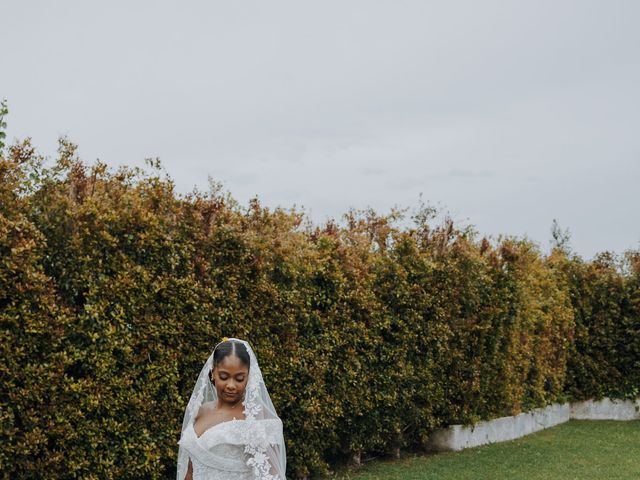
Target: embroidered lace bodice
pixel 219 453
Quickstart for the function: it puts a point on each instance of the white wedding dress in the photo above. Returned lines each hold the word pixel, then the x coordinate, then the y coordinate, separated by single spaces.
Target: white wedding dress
pixel 252 448
pixel 219 453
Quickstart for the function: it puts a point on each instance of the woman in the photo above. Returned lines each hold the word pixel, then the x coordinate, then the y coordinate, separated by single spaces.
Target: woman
pixel 231 430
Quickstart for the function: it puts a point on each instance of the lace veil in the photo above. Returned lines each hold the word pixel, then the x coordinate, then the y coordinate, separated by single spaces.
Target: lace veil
pixel 266 451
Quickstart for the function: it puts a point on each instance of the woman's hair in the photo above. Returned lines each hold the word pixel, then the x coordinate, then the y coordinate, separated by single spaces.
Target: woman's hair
pixel 231 347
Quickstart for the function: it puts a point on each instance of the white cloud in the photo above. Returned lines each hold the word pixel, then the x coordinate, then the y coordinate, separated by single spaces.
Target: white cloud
pixel 508 113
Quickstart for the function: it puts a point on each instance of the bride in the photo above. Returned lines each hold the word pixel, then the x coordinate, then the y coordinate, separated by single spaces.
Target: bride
pixel 231 430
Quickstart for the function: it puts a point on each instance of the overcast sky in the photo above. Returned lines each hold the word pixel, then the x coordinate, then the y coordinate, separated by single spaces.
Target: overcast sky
pixel 508 114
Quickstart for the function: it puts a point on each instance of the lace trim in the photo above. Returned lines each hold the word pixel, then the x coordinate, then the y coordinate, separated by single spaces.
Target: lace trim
pixel 252 408
pixel 260 463
pixel 256 446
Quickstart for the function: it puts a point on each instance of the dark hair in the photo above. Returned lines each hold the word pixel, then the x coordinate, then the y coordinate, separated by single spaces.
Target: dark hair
pixel 230 347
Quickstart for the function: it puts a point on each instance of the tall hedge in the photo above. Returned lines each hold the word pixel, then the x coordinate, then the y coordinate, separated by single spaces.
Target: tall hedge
pixel 114 289
pixel 605 358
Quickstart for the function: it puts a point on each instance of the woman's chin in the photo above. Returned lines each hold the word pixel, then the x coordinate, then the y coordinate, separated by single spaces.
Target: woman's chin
pixel 229 398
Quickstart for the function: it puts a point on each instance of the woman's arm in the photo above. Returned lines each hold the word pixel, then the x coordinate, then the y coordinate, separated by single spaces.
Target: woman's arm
pixel 275 470
pixel 189 475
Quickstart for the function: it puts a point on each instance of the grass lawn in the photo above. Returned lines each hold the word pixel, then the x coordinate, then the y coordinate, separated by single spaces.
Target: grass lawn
pixel 575 450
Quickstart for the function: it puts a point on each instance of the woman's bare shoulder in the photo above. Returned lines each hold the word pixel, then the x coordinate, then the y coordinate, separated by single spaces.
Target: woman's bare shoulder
pixel 209 405
pixel 206 408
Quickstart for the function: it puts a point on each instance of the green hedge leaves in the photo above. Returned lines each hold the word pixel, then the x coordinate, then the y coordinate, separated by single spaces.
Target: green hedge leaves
pixel 114 289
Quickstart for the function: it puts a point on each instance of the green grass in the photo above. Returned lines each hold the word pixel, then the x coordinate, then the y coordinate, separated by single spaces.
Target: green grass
pixel 575 450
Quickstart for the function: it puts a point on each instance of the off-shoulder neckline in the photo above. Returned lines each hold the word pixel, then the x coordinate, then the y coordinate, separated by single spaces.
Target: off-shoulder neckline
pixel 214 426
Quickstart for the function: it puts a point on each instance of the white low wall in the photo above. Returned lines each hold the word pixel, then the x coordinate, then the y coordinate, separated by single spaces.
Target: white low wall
pixel 606 409
pixel 458 437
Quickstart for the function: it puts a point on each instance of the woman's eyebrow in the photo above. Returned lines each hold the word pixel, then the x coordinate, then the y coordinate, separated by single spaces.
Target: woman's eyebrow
pixel 225 371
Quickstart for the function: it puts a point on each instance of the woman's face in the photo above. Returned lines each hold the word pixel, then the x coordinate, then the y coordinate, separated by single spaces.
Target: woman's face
pixel 230 377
